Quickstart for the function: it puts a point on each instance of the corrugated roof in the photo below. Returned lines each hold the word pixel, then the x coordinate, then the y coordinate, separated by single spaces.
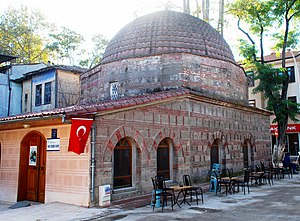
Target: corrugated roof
pixel 60 67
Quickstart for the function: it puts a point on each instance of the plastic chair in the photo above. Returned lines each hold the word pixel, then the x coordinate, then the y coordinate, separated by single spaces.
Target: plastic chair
pixel 195 190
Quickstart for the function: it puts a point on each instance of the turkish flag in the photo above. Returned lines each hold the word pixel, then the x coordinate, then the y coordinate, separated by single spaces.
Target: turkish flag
pixel 79 134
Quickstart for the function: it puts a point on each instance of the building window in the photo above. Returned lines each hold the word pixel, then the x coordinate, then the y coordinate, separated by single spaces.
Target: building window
pixel 123 164
pixel 163 159
pixel 47 95
pixel 291 73
pixel 38 95
pixel 252 103
pixel 25 102
pixel 114 90
pixel 250 75
pixel 293 99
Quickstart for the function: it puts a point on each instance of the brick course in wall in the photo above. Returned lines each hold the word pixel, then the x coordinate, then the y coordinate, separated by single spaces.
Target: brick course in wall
pixel 192 126
pixel 136 76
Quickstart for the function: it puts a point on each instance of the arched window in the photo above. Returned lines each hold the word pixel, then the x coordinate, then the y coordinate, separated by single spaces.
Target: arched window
pixel 214 153
pixel 247 154
pixel 163 159
pixel 123 164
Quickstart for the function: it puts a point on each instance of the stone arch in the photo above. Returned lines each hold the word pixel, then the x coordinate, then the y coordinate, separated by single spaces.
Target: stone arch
pixel 217 135
pixel 121 132
pixel 164 133
pixel 250 138
pixel 218 140
pixel 248 145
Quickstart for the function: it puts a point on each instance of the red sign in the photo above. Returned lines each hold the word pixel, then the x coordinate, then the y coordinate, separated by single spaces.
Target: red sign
pixel 79 133
pixel 289 129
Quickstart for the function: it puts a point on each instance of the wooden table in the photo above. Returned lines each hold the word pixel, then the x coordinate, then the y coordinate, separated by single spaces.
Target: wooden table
pixel 182 191
pixel 230 180
pixel 258 177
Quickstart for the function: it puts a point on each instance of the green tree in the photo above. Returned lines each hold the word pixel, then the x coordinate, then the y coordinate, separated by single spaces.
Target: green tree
pixel 260 15
pixel 100 42
pixel 66 43
pixel 20 35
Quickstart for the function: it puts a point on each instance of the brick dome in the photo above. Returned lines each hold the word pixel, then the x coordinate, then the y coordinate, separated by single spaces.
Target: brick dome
pixel 167 32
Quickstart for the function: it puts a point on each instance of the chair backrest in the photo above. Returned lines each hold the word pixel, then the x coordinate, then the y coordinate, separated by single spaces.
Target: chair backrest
pixel 230 172
pixel 217 175
pixel 257 169
pixel 262 165
pixel 160 182
pixel 187 180
pixel 154 184
pixel 246 176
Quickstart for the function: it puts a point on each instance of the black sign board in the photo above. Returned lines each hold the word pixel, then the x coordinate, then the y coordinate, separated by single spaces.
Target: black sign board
pixel 54 133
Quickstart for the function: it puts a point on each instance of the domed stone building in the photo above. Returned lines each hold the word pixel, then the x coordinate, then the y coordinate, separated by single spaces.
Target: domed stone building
pixel 167 98
pixel 167 50
pixel 177 103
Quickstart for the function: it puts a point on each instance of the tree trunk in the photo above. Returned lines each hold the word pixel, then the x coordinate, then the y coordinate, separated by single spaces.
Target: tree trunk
pixel 278 153
pixel 221 17
pixel 205 7
pixel 197 8
pixel 282 125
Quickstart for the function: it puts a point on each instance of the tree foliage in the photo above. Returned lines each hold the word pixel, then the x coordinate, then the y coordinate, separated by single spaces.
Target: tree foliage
pixel 66 43
pixel 27 34
pixel 100 42
pixel 20 35
pixel 260 16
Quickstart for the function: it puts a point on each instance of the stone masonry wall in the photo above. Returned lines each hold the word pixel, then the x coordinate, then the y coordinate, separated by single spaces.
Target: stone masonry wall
pixel 192 126
pixel 215 78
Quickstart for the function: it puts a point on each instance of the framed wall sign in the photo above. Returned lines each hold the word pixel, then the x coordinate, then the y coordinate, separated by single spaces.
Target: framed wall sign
pixel 53 144
pixel 32 155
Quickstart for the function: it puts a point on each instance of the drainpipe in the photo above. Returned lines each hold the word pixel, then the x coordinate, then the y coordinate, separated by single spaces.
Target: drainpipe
pixel 9 92
pixel 56 91
pixel 93 133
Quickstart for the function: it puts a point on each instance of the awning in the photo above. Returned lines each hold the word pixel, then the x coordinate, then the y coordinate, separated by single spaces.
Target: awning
pixel 289 129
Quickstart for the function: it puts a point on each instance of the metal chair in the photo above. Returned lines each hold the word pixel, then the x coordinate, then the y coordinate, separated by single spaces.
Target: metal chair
pixel 222 183
pixel 245 182
pixel 161 192
pixel 194 190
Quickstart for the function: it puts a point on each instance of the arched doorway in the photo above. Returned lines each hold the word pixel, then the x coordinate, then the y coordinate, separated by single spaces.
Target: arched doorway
pixel 217 155
pixel 247 154
pixel 123 164
pixel 32 170
pixel 164 159
pixel 214 153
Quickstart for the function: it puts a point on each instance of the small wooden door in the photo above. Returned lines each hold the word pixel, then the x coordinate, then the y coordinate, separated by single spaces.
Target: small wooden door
pixel 214 153
pixel 32 173
pixel 246 155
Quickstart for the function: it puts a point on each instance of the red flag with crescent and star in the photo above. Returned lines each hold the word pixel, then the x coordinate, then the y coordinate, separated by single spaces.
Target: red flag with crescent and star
pixel 79 134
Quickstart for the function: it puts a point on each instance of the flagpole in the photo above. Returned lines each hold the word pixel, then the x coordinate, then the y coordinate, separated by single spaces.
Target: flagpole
pixel 93 163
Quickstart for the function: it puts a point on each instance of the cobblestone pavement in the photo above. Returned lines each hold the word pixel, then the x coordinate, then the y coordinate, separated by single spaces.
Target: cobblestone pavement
pixel 264 203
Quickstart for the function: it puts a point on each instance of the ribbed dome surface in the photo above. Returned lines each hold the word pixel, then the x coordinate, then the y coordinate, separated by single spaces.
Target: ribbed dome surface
pixel 167 32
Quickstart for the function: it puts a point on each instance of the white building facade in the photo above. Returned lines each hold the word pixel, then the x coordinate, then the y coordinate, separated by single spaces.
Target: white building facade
pixel 257 100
